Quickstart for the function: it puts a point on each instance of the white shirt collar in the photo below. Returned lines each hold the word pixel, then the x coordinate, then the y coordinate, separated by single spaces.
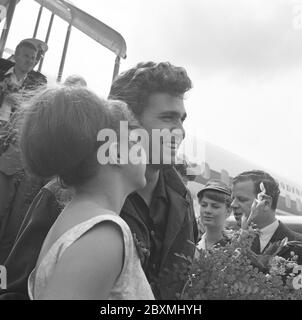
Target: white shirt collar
pixel 266 234
pixel 202 243
pixel 10 71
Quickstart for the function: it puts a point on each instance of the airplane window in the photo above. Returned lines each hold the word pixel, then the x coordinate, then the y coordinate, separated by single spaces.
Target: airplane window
pixel 288 187
pixel 282 185
pixel 299 205
pixel 297 192
pixel 224 176
pixel 288 201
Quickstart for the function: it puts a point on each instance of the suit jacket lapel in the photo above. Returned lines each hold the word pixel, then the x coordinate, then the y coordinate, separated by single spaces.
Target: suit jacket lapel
pixel 256 247
pixel 279 234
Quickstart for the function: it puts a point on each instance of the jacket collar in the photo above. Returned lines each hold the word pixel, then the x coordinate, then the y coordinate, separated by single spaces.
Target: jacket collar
pixel 281 232
pixel 160 190
pixel 178 209
pixel 10 71
pixel 179 201
pixel 174 181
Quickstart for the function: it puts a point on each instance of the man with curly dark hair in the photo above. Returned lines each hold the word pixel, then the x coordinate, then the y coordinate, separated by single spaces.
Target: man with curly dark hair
pixel 161 214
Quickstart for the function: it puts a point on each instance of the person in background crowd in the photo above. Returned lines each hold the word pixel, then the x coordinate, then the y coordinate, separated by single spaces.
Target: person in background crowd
pixel 75 80
pixel 215 208
pixel 17 187
pixel 245 189
pixel 17 72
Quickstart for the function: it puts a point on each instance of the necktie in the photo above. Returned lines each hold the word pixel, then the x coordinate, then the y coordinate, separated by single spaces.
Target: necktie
pixel 256 245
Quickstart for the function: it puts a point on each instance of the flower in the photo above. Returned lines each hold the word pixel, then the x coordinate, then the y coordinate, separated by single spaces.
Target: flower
pixel 277 265
pixel 141 247
pixel 280 265
pixel 237 253
pixel 234 272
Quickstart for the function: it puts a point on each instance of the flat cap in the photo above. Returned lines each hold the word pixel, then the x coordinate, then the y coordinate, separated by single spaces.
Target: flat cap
pixel 216 185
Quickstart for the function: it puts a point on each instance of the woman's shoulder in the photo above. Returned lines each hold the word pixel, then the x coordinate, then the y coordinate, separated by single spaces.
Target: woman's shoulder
pixel 62 234
pixel 107 220
pixel 94 245
pixel 98 234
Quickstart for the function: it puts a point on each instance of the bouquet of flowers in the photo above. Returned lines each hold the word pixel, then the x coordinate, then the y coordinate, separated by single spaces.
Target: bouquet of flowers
pixel 234 272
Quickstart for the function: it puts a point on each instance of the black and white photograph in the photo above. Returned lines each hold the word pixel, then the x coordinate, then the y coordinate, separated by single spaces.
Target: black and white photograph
pixel 151 151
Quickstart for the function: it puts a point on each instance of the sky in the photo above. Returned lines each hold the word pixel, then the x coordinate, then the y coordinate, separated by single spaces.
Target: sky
pixel 244 58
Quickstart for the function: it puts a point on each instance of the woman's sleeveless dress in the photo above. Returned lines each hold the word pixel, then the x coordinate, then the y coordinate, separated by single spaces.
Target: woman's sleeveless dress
pixel 131 284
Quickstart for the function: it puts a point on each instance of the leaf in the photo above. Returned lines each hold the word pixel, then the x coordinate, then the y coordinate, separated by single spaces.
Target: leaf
pixel 294 243
pixel 284 242
pixel 272 249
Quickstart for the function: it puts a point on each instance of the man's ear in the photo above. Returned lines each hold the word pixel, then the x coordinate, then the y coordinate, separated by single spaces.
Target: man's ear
pixel 268 204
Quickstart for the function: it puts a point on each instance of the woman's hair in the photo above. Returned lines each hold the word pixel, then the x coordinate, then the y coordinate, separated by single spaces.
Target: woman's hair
pixel 59 132
pixel 217 196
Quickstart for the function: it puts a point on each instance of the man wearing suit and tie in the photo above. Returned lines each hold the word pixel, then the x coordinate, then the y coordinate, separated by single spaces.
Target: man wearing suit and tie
pixel 246 187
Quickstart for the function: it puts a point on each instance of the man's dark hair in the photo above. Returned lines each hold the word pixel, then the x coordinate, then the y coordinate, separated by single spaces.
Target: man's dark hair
pixel 258 176
pixel 135 85
pixel 25 44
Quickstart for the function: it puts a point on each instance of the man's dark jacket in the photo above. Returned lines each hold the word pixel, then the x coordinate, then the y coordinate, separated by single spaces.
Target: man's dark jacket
pixel 281 233
pixel 180 235
pixel 33 80
pixel 41 215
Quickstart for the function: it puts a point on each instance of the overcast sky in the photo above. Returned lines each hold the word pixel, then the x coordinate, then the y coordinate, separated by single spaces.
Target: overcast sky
pixel 244 58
